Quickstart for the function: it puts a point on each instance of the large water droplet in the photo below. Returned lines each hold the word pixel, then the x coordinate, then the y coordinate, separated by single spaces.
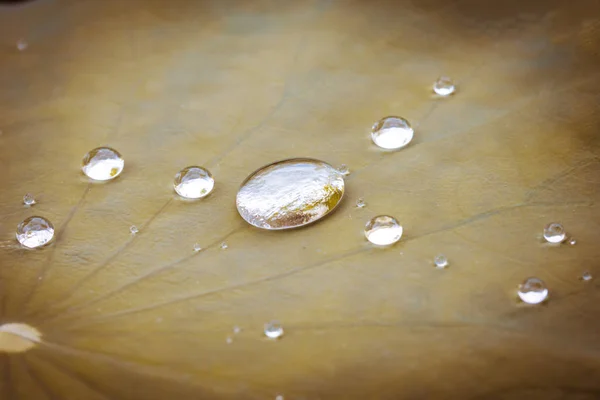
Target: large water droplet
pixel 273 330
pixel 533 291
pixel 440 261
pixel 35 232
pixel 29 200
pixel 554 233
pixel 290 193
pixel 102 164
pixel 444 86
pixel 194 182
pixel 383 230
pixel 392 133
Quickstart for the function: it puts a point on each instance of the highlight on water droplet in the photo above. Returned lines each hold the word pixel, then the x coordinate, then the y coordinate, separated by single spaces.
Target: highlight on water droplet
pixel 587 276
pixel 29 200
pixel 554 233
pixel 223 246
pixel 383 230
pixel 273 330
pixel 343 169
pixel 533 291
pixel 18 338
pixel 392 133
pixel 290 193
pixel 440 261
pixel 133 229
pixel 194 182
pixel 35 232
pixel 102 164
pixel 360 203
pixel 444 86
pixel 22 44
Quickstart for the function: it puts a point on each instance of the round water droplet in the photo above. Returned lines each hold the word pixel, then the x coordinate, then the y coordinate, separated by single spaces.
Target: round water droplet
pixel 102 164
pixel 444 86
pixel 236 329
pixel 383 230
pixel 587 276
pixel 193 182
pixel 343 169
pixel 273 330
pixel 229 340
pixel 554 233
pixel 392 133
pixel 35 232
pixel 223 246
pixel 28 199
pixel 533 291
pixel 440 261
pixel 279 397
pixel 572 242
pixel 133 229
pixel 360 203
pixel 22 44
pixel 290 193
pixel 197 247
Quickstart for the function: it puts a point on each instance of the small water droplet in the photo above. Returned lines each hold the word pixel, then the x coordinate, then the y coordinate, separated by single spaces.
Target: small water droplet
pixel 554 233
pixel 229 340
pixel 237 329
pixel 22 44
pixel 273 330
pixel 383 230
pixel 290 193
pixel 224 246
pixel 587 276
pixel 133 229
pixel 360 203
pixel 572 242
pixel 29 200
pixel 343 169
pixel 35 232
pixel 102 164
pixel 444 86
pixel 279 397
pixel 194 182
pixel 392 133
pixel 197 247
pixel 440 261
pixel 533 291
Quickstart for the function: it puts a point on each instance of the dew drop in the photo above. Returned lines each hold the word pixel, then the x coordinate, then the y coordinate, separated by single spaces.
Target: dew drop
pixel 343 169
pixel 533 291
pixel 273 330
pixel 587 276
pixel 35 232
pixel 197 247
pixel 223 246
pixel 22 44
pixel 133 229
pixel 392 133
pixel 290 193
pixel 193 182
pixel 440 261
pixel 102 164
pixel 360 203
pixel 383 230
pixel 554 233
pixel 29 200
pixel 444 86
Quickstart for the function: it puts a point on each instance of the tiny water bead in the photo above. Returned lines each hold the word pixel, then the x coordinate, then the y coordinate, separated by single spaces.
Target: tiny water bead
pixel 572 242
pixel 290 193
pixel 197 247
pixel 273 330
pixel 229 340
pixel 383 230
pixel 587 276
pixel 102 164
pixel 440 261
pixel 533 291
pixel 360 203
pixel 392 133
pixel 554 233
pixel 194 182
pixel 22 44
pixel 343 169
pixel 29 200
pixel 35 232
pixel 444 86
pixel 133 229
pixel 223 246
pixel 279 397
pixel 236 329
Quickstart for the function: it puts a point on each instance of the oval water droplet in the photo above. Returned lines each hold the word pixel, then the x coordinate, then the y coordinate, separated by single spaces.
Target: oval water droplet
pixel 29 200
pixel 134 230
pixel 102 164
pixel 444 86
pixel 533 291
pixel 554 233
pixel 290 193
pixel 587 276
pixel 392 133
pixel 383 230
pixel 440 261
pixel 360 203
pixel 193 182
pixel 273 330
pixel 35 232
pixel 197 247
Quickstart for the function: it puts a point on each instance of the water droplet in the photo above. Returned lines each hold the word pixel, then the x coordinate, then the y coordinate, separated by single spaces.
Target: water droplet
pixel 392 133
pixel 383 230
pixel 22 44
pixel 273 330
pixel 533 291
pixel 444 86
pixel 343 169
pixel 229 340
pixel 554 233
pixel 224 246
pixel 440 261
pixel 237 329
pixel 360 203
pixel 290 193
pixel 572 242
pixel 587 276
pixel 29 200
pixel 133 229
pixel 197 247
pixel 102 164
pixel 193 182
pixel 35 232
pixel 279 397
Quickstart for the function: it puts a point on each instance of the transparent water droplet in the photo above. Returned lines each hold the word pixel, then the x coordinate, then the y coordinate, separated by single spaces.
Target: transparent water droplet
pixel 194 182
pixel 273 330
pixel 383 230
pixel 133 229
pixel 392 133
pixel 29 200
pixel 22 44
pixel 236 329
pixel 197 247
pixel 102 164
pixel 444 86
pixel 554 233
pixel 587 276
pixel 533 291
pixel 440 261
pixel 229 340
pixel 279 397
pixel 360 203
pixel 223 246
pixel 290 193
pixel 572 242
pixel 343 169
pixel 35 232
